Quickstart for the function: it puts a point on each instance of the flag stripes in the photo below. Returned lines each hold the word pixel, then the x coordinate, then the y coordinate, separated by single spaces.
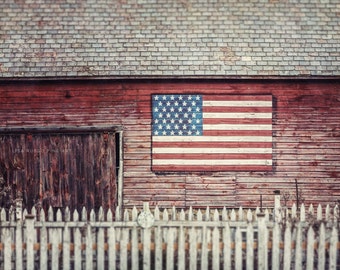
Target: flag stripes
pixel 211 132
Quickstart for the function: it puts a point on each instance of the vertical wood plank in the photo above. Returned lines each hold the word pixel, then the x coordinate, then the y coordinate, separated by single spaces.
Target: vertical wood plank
pixel 181 249
pixel 238 249
pixel 18 246
pixel 7 253
pixel 250 247
pixel 158 248
pixel 111 248
pixel 170 249
pixel 89 248
pixel 215 249
pixel 287 247
pixel 226 247
pixel 310 249
pixel 204 251
pixel 192 249
pixel 322 247
pixel 134 249
pixel 66 247
pixel 100 249
pixel 333 248
pixel 276 246
pixel 262 242
pixel 55 249
pixel 298 248
pixel 30 234
pixel 43 248
pixel 146 248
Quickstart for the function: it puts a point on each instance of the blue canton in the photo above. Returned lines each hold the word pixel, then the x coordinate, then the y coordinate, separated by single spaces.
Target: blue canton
pixel 177 115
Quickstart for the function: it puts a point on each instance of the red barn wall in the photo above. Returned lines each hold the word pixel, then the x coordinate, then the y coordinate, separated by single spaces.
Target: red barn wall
pixel 306 136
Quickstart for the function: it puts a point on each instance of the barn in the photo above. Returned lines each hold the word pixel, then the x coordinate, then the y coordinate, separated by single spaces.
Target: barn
pixel 175 103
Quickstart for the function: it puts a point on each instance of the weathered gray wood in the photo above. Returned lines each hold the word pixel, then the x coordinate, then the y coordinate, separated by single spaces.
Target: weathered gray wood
pixel 298 248
pixel 333 248
pixel 322 247
pixel 88 249
pixel 18 245
pixel 310 249
pixel 100 249
pixel 287 252
pixel 43 248
pixel 66 247
pixel 30 243
pixel 111 248
pixel 227 247
pixel 262 241
pixel 192 249
pixel 276 246
pixel 215 248
pixel 7 240
pixel 238 249
pixel 250 247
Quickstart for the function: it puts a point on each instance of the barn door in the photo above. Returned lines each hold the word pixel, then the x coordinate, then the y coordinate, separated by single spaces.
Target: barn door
pixel 60 169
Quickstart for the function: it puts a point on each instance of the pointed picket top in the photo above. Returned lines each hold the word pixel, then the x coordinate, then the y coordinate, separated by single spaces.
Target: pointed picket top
pixel 182 215
pixel 319 212
pixel 59 215
pixel 165 215
pixel 216 215
pixel 42 215
pixel 266 214
pixel 134 213
pixel 50 214
pixel 3 216
pixel 294 211
pixel 118 214
pixel 240 214
pixel 302 212
pixel 109 215
pixel 83 214
pixel 257 211
pixel 157 213
pixel 12 215
pixel 328 212
pixel 75 216
pixel 207 214
pixel 24 213
pixel 249 215
pixel 34 212
pixel 173 213
pixel 67 214
pixel 311 209
pixel 126 215
pixel 336 213
pixel 225 214
pixel 199 215
pixel 190 214
pixel 101 216
pixel 233 215
pixel 92 215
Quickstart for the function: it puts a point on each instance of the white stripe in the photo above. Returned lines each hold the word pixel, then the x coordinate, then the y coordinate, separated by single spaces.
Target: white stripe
pixel 238 103
pixel 214 162
pixel 236 127
pixel 212 139
pixel 237 115
pixel 165 150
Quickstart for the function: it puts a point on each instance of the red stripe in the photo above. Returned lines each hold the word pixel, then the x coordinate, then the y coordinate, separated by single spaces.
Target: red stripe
pixel 213 144
pixel 165 168
pixel 211 156
pixel 237 133
pixel 237 121
pixel 237 98
pixel 237 109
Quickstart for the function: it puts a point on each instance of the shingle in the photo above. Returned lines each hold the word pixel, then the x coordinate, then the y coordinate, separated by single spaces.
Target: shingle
pixel 170 38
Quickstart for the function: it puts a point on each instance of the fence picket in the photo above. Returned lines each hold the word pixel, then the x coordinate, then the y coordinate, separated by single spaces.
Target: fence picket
pixel 287 247
pixel 213 238
pixel 321 247
pixel 333 247
pixel 238 249
pixel 250 247
pixel 310 249
pixel 18 246
pixel 6 236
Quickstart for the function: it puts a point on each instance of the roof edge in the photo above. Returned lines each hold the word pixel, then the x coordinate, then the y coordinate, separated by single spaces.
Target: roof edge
pixel 166 78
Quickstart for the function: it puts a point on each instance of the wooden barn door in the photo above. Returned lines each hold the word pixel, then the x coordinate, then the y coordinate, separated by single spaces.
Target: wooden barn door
pixel 60 169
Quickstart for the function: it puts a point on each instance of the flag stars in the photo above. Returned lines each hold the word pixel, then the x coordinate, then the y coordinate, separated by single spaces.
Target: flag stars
pixel 176 115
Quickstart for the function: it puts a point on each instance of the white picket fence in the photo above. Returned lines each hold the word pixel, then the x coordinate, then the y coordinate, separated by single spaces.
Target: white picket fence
pixel 171 239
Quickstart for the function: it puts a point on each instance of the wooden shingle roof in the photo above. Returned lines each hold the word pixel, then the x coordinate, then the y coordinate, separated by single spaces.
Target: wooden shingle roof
pixel 179 38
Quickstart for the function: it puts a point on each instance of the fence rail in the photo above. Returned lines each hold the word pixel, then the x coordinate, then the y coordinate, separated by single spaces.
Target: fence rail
pixel 275 238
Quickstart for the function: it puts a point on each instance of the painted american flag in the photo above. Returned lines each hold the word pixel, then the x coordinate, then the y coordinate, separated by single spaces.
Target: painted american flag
pixel 211 132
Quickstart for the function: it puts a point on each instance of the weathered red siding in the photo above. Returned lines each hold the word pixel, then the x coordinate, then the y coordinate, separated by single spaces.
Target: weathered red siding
pixel 306 136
